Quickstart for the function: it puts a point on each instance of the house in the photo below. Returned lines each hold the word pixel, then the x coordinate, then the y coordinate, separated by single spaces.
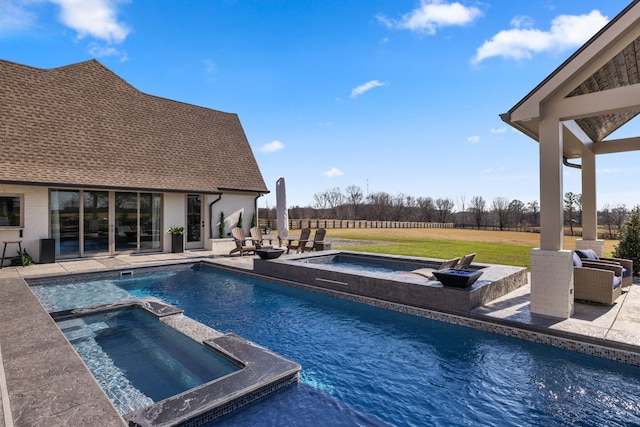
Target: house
pixel 102 168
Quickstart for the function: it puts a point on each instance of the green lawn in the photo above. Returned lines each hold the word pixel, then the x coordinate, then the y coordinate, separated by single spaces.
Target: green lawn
pixel 490 253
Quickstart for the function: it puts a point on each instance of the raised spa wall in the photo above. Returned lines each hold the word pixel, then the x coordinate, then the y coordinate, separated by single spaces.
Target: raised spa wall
pixel 401 287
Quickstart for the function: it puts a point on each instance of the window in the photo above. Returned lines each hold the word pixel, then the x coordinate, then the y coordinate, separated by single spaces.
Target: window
pixel 10 211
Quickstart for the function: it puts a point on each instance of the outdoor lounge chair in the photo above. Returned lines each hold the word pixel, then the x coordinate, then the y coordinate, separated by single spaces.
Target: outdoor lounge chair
pixel 428 272
pixel 257 240
pixel 465 262
pixel 298 243
pixel 627 264
pixel 318 239
pixel 601 284
pixel 240 241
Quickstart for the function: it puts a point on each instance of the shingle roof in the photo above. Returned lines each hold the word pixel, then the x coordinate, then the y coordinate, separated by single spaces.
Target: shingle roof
pixel 609 60
pixel 82 125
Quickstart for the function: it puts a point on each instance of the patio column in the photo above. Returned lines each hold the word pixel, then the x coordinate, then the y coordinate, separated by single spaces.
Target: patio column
pixel 589 209
pixel 551 266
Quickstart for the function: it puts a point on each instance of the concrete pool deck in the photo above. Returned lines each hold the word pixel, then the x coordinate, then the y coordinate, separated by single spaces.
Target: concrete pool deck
pixel 44 383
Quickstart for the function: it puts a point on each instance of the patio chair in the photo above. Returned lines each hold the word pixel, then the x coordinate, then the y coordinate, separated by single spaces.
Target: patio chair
pixel 428 272
pixel 298 243
pixel 318 239
pixel 257 240
pixel 601 284
pixel 465 262
pixel 240 241
pixel 627 264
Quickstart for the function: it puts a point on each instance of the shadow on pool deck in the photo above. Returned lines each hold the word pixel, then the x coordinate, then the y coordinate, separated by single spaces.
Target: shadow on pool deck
pixel 44 383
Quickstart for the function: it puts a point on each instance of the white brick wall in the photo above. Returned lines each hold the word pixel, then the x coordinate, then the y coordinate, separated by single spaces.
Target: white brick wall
pixel 552 283
pixel 596 245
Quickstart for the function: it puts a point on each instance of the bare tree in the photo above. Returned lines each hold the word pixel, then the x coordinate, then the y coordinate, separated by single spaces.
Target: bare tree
pixel 533 209
pixel 354 198
pixel 478 210
pixel 427 208
pixel 379 205
pixel 320 200
pixel 401 206
pixel 570 205
pixel 444 209
pixel 516 211
pixel 619 214
pixel 607 218
pixel 500 206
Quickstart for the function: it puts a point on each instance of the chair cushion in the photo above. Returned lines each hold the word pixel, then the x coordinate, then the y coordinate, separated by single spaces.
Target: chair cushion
pixel 617 281
pixel 587 253
pixel 626 272
pixel 577 262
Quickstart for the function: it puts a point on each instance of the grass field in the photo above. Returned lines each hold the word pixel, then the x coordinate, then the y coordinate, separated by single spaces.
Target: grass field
pixel 494 247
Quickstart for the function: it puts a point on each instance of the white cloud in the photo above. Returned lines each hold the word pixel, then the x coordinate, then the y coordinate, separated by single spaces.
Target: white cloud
pixel 272 146
pixel 499 130
pixel 333 172
pixel 366 87
pixel 433 14
pixel 567 31
pixel 95 18
pixel 14 17
pixel 473 139
pixel 102 51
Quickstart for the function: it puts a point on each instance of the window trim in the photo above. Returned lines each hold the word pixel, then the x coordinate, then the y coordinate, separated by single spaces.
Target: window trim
pixel 21 197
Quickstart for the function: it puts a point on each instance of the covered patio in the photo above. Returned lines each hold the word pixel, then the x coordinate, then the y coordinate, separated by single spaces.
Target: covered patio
pixel 571 114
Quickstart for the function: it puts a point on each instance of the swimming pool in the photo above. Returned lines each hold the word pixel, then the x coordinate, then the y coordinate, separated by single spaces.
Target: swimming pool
pixel 363 365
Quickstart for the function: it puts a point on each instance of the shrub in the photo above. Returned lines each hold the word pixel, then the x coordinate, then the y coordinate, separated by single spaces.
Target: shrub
pixel 221 226
pixel 629 246
pixel 26 258
pixel 240 220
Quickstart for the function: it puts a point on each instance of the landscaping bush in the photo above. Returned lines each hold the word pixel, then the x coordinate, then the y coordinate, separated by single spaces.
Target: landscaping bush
pixel 629 246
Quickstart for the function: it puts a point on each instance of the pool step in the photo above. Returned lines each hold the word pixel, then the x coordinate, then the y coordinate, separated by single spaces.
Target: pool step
pixel 77 330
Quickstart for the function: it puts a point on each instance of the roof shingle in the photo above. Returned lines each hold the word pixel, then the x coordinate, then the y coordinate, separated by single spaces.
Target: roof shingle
pixel 82 125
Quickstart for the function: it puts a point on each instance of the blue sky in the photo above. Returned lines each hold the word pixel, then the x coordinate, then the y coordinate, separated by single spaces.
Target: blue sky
pixel 398 96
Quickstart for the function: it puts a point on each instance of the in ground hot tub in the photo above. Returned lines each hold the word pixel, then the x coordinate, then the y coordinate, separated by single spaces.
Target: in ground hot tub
pixel 389 278
pixel 144 355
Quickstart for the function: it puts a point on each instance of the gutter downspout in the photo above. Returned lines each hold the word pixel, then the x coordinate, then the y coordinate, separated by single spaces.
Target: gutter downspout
pixel 211 214
pixel 565 162
pixel 255 208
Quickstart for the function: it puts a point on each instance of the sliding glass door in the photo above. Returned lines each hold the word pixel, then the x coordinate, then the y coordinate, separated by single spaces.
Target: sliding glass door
pixel 138 221
pixel 64 213
pixel 150 221
pixel 80 222
pixel 95 209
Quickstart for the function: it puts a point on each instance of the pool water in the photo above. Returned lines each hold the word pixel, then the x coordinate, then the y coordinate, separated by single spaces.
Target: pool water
pixel 138 360
pixel 346 262
pixel 367 366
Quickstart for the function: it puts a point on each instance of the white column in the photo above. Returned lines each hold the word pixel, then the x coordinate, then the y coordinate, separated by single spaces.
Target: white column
pixel 551 266
pixel 551 198
pixel 589 206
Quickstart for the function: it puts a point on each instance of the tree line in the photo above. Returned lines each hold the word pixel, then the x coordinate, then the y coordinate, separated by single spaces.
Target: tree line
pixel 501 213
